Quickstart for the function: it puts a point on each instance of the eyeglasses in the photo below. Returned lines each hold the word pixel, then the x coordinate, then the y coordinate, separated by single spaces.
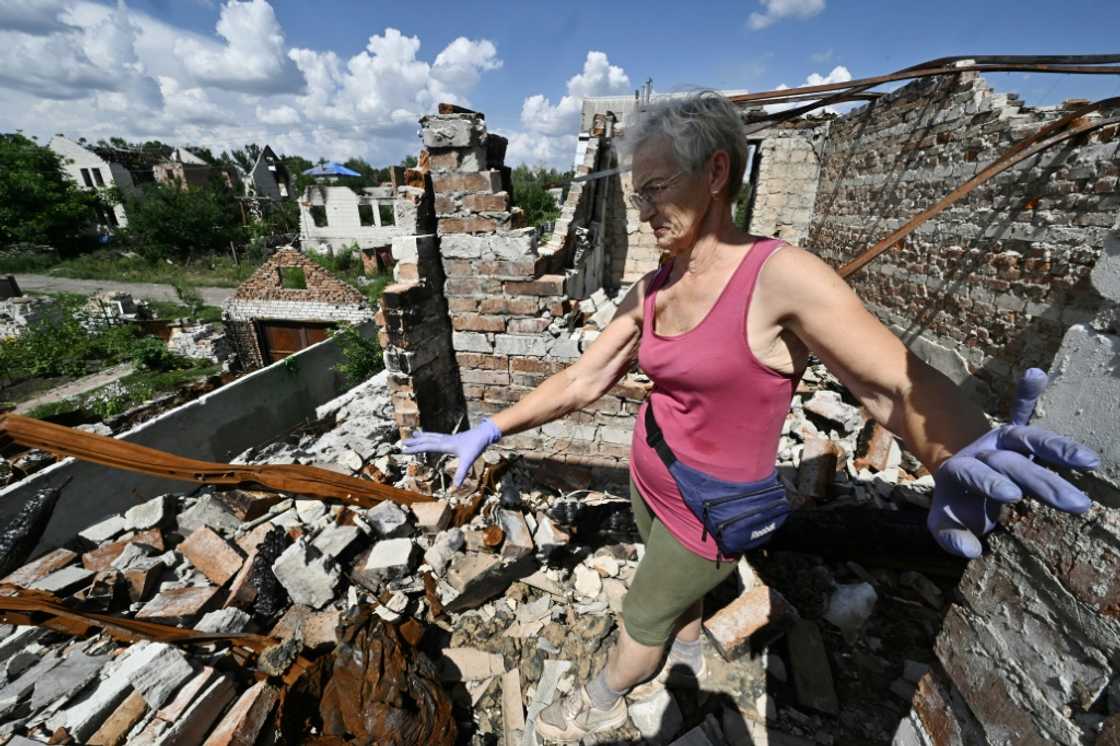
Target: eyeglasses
pixel 651 194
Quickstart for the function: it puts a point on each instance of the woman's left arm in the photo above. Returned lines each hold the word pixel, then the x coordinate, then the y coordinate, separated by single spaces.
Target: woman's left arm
pixel 976 467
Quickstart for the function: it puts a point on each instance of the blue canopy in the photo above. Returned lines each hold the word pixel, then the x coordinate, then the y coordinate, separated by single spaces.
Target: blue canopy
pixel 331 169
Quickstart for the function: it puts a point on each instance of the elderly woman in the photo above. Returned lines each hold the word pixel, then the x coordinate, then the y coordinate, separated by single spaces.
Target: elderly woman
pixel 724 330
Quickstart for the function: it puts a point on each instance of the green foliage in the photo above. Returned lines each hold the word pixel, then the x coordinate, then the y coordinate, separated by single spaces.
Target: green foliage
pixel 180 222
pixel 742 204
pixel 61 346
pixel 150 353
pixel 38 204
pixel 217 270
pixel 377 286
pixel 530 193
pixel 132 390
pixel 293 278
pixel 244 157
pixel 361 357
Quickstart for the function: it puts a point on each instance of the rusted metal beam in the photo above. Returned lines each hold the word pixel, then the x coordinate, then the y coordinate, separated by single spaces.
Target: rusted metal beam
pixel 1060 130
pixel 119 454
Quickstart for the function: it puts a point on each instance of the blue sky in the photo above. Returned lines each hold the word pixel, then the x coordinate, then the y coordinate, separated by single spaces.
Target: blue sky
pixel 334 79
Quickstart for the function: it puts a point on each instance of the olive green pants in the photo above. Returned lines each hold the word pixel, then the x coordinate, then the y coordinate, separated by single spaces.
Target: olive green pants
pixel 669 579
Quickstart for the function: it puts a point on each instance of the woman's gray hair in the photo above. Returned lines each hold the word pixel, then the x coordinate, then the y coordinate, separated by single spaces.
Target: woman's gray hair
pixel 697 125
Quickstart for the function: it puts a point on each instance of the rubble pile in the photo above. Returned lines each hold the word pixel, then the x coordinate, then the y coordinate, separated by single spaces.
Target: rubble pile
pixel 512 591
pixel 203 342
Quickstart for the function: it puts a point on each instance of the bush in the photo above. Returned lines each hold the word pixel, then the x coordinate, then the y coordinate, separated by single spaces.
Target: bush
pixel 361 357
pixel 178 222
pixel 38 204
pixel 150 353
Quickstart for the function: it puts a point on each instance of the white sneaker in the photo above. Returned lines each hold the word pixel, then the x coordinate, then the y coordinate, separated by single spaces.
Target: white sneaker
pixel 574 717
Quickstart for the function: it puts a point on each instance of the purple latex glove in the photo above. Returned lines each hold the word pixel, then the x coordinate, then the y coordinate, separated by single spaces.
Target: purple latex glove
pixel 1000 467
pixel 467 446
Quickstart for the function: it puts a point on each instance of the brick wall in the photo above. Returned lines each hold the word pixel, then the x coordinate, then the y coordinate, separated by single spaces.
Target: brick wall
pixel 785 185
pixel 987 288
pixel 509 303
pixel 344 227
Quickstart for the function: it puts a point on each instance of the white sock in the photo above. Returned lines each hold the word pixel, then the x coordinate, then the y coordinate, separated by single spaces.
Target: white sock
pixel 688 653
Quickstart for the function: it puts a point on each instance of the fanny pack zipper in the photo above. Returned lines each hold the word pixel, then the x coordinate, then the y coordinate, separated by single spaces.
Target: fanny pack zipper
pixel 748 514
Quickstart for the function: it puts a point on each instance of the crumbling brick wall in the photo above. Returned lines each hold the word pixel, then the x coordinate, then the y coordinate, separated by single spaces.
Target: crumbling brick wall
pixel 509 303
pixel 988 287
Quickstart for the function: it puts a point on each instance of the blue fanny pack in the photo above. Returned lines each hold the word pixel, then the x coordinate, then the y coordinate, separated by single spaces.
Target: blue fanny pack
pixel 737 515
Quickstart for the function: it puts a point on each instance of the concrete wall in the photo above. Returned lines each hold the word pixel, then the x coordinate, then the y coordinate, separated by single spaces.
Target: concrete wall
pixel 253 410
pixel 990 286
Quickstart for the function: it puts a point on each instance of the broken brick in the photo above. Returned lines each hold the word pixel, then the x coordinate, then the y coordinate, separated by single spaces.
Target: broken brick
pixel 214 557
pixel 244 721
pixel 178 604
pixel 730 629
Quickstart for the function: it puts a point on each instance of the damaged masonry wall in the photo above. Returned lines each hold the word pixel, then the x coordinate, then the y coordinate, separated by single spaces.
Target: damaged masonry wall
pixel 509 302
pixel 989 287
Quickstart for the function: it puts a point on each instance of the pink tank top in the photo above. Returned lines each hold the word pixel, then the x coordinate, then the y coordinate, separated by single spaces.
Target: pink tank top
pixel 720 408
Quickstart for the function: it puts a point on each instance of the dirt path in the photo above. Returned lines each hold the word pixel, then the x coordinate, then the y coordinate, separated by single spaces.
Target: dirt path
pixel 139 290
pixel 80 386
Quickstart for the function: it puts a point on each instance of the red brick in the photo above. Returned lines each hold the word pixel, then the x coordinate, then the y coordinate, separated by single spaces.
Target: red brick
pixel 462 305
pixel 41 568
pixel 116 727
pixel 463 182
pixel 102 557
pixel 459 268
pixel 485 362
pixel 214 557
pixel 519 305
pixel 528 326
pixel 507 269
pixel 244 721
pixel 407 272
pixel 543 285
pixel 473 322
pixel 534 365
pixel 468 225
pixel 487 202
pixel 463 286
pixel 178 604
pixel 731 627
pixel 446 160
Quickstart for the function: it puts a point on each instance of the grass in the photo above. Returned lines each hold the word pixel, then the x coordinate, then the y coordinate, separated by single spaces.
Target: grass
pixel 120 396
pixel 167 311
pixel 209 271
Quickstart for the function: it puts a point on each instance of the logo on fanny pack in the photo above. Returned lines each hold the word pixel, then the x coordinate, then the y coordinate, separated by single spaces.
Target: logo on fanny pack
pixel 763 531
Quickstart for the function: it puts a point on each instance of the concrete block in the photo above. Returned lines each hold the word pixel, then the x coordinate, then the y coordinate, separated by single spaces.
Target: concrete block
pixel 161 675
pixel 444 548
pixel 223 621
pixel 657 717
pixel 307 575
pixel 83 719
pixel 473 342
pixel 155 512
pixel 104 530
pixel 391 559
pixel 432 516
pixel 520 345
pixel 334 541
pixel 519 540
pixel 196 720
pixel 65 581
pixel 208 511
pixel 514 245
pixel 178 604
pixel 441 132
pixel 463 246
pixel 214 557
pixel 16 691
pixel 71 675
pixel 389 520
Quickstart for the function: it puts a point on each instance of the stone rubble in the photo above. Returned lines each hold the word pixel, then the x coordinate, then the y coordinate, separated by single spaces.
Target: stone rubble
pixel 523 599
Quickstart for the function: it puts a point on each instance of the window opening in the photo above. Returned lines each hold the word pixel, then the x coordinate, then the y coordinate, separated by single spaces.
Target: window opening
pixel 292 278
pixel 386 214
pixel 318 215
pixel 97 177
pixel 85 177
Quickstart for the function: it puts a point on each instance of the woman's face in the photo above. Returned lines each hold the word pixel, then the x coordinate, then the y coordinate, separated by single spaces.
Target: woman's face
pixel 674 203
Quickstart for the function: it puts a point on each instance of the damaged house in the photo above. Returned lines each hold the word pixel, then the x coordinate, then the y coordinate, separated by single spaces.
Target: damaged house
pixel 288 304
pixel 336 218
pixel 293 616
pixel 96 169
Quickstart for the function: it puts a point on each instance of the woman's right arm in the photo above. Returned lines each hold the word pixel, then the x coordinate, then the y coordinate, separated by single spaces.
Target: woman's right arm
pixel 592 375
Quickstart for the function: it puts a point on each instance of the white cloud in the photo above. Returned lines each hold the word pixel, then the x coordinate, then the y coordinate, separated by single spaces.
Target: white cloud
pixel 839 74
pixel 105 71
pixel 254 58
pixel 32 16
pixel 535 149
pixel 598 78
pixel 281 115
pixel 777 10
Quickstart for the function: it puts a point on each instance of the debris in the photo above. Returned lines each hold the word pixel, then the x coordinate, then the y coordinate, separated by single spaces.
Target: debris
pixel 215 557
pixel 588 582
pixel 513 708
pixel 388 520
pixel 40 568
pixel 19 537
pixel 308 576
pixel 244 721
pixel 812 674
pixel 469 664
pixel 444 548
pixel 818 467
pixel 657 717
pixel 154 513
pixel 433 516
pixel 730 629
pixel 850 607
pixel 177 605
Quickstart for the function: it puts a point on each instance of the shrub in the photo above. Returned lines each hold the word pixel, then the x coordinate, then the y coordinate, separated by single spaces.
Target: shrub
pixel 361 357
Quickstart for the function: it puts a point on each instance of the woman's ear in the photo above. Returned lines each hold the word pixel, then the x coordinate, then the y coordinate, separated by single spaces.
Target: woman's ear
pixel 719 171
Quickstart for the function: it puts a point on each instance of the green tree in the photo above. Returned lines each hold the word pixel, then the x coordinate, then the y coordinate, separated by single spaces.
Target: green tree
pixel 530 192
pixel 176 221
pixel 244 157
pixel 38 204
